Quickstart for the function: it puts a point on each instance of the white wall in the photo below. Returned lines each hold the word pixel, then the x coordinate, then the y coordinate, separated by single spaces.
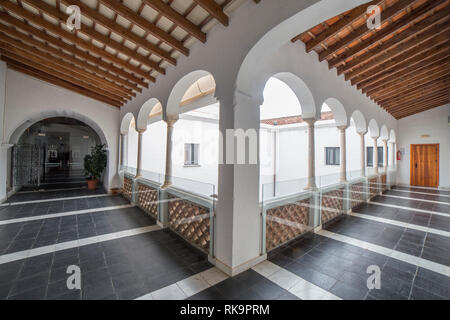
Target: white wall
pixel 29 99
pixel 434 123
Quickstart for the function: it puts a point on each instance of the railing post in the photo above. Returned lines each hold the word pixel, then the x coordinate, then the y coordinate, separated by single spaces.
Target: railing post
pixel 347 196
pixel 314 210
pixel 163 208
pixel 263 230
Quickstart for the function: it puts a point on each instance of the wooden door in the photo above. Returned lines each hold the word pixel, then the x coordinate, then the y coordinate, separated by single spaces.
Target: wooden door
pixel 425 165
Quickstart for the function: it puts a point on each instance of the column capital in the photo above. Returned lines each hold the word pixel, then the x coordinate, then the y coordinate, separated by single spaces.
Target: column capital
pixel 171 122
pixel 362 134
pixel 342 128
pixel 310 121
pixel 141 131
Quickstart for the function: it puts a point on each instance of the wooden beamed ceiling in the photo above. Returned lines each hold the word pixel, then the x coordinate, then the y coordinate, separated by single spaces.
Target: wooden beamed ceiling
pixel 403 66
pixel 121 47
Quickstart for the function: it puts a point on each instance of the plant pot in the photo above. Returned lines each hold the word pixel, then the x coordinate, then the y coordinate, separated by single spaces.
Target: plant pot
pixel 92 184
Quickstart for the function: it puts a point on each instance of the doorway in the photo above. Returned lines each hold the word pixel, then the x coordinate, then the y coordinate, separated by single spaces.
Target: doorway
pixel 50 153
pixel 425 165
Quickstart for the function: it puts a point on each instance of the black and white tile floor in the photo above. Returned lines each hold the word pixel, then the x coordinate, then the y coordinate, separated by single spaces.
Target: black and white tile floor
pixel 123 254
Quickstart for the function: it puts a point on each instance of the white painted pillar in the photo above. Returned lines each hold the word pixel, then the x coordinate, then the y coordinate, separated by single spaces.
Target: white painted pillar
pixel 139 154
pixel 363 153
pixel 311 155
pixel 238 224
pixel 121 150
pixel 375 155
pixel 3 143
pixel 168 175
pixel 343 154
pixel 385 155
pixel 394 151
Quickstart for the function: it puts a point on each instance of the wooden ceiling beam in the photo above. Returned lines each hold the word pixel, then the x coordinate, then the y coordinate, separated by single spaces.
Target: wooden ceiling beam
pixel 61 54
pixel 133 17
pixel 418 107
pixel 409 38
pixel 389 31
pixel 431 105
pixel 425 89
pixel 423 42
pixel 51 70
pixel 363 30
pixel 171 14
pixel 344 22
pixel 408 80
pixel 130 78
pixel 121 31
pixel 23 49
pixel 94 34
pixel 59 31
pixel 389 77
pixel 58 82
pixel 440 46
pixel 412 84
pixel 422 100
pixel 214 9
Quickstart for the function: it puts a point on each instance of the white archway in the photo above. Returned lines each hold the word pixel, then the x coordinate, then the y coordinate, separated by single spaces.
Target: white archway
pixel 179 90
pixel 338 110
pixel 374 130
pixel 360 121
pixel 384 133
pixel 392 136
pixel 125 125
pixel 151 111
pixel 302 91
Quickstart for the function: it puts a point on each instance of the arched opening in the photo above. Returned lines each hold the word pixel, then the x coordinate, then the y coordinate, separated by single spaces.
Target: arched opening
pixel 195 141
pixel 327 146
pixel 130 141
pixel 283 135
pixel 150 119
pixel 374 134
pixel 50 153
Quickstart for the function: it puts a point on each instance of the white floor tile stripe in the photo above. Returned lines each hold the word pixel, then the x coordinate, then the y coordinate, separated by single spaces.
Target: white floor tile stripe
pixel 408 208
pixel 75 243
pixel 415 199
pixel 425 193
pixel 401 224
pixel 50 190
pixel 64 214
pixel 427 264
pixel 291 282
pixel 54 199
pixel 187 287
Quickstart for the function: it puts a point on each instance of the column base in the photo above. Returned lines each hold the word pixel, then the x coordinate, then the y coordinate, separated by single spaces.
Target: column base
pixel 166 185
pixel 233 271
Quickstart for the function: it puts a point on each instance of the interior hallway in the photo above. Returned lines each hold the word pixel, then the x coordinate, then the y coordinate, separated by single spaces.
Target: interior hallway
pixel 123 254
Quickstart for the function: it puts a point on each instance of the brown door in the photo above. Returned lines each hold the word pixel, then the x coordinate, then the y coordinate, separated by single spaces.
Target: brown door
pixel 425 165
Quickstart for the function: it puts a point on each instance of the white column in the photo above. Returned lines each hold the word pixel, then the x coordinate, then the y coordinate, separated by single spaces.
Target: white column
pixel 385 155
pixel 168 175
pixel 343 154
pixel 375 155
pixel 238 232
pixel 311 155
pixel 363 154
pixel 139 154
pixel 394 155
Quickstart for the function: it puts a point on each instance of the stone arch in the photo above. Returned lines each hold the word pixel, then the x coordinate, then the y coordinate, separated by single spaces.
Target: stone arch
pixel 384 132
pixel 392 136
pixel 339 114
pixel 302 92
pixel 127 121
pixel 151 111
pixel 360 121
pixel 374 130
pixel 17 133
pixel 179 91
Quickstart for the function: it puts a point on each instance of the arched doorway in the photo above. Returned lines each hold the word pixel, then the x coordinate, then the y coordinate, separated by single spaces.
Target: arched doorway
pixel 49 154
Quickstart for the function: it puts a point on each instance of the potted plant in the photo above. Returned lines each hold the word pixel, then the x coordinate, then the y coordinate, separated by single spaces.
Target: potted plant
pixel 94 165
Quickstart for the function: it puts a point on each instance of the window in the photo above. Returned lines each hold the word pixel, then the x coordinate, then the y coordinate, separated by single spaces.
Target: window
pixel 332 155
pixel 370 156
pixel 191 154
